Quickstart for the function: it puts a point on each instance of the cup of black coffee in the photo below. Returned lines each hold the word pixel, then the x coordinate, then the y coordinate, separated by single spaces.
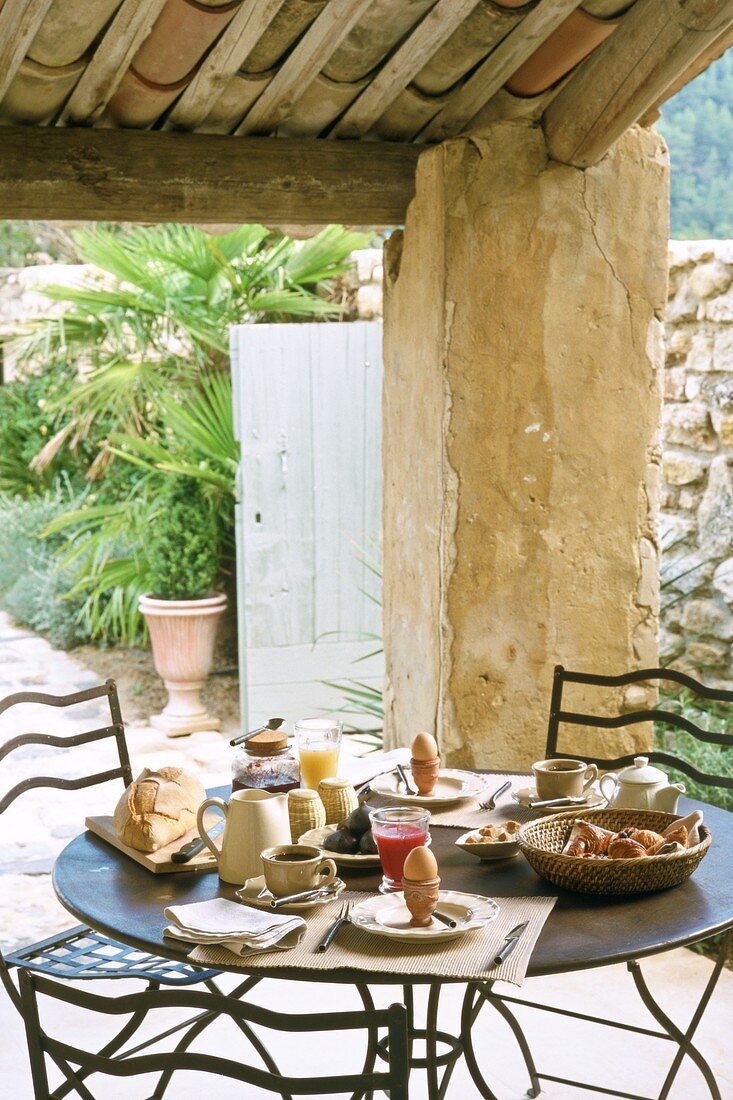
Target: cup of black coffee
pixel 293 868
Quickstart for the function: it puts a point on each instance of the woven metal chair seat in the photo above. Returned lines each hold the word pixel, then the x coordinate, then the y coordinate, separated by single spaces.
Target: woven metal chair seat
pixel 82 953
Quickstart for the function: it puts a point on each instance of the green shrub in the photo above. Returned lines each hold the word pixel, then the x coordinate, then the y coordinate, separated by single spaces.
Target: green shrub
pixel 713 759
pixel 33 586
pixel 183 549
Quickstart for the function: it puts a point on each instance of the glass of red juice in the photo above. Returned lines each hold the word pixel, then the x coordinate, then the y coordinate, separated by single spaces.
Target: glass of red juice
pixel 397 830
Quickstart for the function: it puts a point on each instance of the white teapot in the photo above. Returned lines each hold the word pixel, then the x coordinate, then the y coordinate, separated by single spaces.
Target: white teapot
pixel 641 786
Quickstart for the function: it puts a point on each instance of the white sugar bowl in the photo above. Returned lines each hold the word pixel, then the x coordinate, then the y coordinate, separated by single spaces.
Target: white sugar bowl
pixel 641 786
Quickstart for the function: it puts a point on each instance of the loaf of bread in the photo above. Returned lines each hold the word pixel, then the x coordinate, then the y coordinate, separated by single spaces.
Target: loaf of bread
pixel 158 808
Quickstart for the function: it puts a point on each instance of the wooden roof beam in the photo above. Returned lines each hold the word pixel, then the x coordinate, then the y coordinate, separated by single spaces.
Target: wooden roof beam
pixel 98 83
pixel 226 58
pixel 503 62
pixel 67 174
pixel 407 61
pixel 302 66
pixel 19 21
pixel 699 65
pixel 656 41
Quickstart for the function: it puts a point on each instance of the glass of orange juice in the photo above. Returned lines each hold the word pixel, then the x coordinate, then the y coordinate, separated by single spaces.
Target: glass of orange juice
pixel 319 743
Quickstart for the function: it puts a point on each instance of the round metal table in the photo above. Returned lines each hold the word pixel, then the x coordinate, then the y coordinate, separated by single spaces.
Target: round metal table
pixel 105 889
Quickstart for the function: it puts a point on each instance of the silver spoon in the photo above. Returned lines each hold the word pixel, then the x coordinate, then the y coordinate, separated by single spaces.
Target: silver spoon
pixel 403 776
pixel 271 724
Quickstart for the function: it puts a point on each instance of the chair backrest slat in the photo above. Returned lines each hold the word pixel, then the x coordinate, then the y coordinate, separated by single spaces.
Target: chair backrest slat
pixel 392 1080
pixel 59 784
pixel 56 741
pixel 559 717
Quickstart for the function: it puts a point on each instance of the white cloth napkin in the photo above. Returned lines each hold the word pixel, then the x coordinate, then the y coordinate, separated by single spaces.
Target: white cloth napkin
pixel 361 769
pixel 239 928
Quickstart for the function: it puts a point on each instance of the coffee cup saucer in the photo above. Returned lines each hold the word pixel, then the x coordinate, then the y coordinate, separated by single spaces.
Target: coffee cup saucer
pixel 255 892
pixel 525 795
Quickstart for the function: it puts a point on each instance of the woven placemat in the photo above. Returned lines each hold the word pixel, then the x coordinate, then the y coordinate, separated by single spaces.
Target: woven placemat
pixel 468 814
pixel 470 957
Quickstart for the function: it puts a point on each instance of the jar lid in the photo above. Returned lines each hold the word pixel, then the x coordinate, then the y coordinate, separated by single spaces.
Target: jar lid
pixel 641 771
pixel 267 742
pixel 303 794
pixel 334 784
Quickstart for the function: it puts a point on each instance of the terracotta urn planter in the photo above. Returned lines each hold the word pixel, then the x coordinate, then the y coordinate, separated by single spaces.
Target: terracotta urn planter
pixel 182 633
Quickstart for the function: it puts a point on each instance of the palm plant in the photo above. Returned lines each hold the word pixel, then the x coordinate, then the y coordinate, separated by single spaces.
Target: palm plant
pixel 155 313
pixel 148 332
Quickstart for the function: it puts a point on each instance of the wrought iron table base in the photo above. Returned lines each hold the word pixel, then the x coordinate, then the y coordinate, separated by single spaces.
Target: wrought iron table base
pixel 480 993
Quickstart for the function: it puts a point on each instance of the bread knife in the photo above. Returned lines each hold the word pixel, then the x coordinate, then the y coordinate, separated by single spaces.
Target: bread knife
pixel 193 847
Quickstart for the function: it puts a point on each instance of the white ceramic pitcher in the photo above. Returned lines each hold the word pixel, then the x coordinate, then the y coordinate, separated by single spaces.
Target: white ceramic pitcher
pixel 255 820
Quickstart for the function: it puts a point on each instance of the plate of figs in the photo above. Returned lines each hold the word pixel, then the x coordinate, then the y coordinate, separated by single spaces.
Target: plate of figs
pixel 350 843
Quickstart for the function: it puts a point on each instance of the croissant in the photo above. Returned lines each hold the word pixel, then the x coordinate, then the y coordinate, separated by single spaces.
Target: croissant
pixel 646 837
pixel 586 839
pixel 625 848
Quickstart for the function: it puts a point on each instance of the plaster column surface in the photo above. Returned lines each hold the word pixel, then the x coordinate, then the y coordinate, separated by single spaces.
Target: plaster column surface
pixel 522 394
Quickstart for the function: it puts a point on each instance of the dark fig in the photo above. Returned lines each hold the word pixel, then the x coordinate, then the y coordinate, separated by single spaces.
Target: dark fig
pixel 368 845
pixel 358 822
pixel 342 841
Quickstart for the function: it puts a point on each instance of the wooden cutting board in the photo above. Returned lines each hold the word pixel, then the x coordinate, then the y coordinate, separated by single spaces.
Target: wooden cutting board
pixel 159 862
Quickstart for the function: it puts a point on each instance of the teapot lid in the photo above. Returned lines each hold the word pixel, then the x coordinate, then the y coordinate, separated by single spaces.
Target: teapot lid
pixel 641 771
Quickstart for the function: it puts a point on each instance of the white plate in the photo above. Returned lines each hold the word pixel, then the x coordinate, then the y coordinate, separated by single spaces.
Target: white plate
pixel 452 786
pixel 341 859
pixel 252 894
pixel 387 915
pixel 492 849
pixel 525 795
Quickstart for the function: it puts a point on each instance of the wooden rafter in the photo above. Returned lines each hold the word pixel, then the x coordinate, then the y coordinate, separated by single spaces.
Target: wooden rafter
pixel 99 81
pixel 512 52
pixel 301 67
pixel 654 44
pixel 67 174
pixel 699 65
pixel 19 21
pixel 421 45
pixel 226 58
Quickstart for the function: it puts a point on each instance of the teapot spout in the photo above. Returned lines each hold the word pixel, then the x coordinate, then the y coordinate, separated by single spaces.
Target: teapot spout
pixel 667 798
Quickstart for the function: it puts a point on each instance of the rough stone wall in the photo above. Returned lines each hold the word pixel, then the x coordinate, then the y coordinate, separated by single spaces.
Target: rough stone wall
pixel 697 493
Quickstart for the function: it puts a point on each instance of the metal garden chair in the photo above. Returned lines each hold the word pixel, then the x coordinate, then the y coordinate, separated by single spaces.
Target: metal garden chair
pixel 82 953
pixel 66 1056
pixel 559 717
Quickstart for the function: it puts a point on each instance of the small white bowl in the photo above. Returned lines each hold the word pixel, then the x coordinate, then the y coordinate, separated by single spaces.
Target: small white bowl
pixel 489 849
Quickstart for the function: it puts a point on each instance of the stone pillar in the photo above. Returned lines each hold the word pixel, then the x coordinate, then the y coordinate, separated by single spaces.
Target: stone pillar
pixel 523 359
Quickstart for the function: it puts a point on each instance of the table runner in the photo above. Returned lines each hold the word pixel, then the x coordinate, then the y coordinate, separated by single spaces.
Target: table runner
pixel 470 957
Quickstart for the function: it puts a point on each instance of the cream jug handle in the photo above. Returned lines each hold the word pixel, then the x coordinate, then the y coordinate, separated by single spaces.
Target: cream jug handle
pixel 609 795
pixel 219 804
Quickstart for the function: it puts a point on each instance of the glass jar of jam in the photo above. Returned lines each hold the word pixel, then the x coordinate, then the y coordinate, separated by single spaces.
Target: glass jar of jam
pixel 265 762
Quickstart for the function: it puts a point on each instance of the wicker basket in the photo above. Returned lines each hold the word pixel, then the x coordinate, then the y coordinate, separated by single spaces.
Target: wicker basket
pixel 542 843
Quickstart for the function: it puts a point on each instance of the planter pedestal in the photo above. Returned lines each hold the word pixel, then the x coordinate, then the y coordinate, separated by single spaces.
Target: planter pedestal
pixel 182 633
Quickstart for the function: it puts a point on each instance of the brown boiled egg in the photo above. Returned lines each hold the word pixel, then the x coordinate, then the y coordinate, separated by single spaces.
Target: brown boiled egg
pixel 420 865
pixel 424 747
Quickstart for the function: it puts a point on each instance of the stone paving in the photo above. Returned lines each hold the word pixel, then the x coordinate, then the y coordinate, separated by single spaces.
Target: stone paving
pixel 40 823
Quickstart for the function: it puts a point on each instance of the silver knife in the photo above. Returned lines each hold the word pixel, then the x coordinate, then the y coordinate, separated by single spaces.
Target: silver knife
pixel 193 847
pixel 510 942
pixel 403 776
pixel 304 895
pixel 580 800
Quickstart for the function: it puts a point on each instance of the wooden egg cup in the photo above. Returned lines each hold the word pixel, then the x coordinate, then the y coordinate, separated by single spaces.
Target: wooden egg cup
pixel 425 773
pixel 421 898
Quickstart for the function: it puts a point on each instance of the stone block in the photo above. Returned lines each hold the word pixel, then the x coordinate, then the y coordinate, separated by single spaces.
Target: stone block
pixel 719 309
pixel 683 469
pixel 693 386
pixel 708 654
pixel 674 384
pixel 715 514
pixel 723 579
pixel 684 306
pixel 719 394
pixel 689 499
pixel 688 573
pixel 686 253
pixel 710 279
pixel 700 356
pixel 369 301
pixel 706 617
pixel 723 350
pixel 679 340
pixel 688 425
pixel 674 530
